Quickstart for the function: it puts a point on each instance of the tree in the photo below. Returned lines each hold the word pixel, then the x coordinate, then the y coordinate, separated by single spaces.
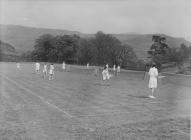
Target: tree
pixel 108 47
pixel 159 46
pixel 184 52
pixel 87 52
pixel 66 47
pixel 98 50
pixel 43 48
pixel 56 48
pixel 126 56
pixel 159 50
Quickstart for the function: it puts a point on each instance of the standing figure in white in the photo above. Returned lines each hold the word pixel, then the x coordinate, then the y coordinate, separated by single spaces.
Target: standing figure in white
pixel 45 72
pixel 153 74
pixel 114 69
pixel 107 67
pixel 63 66
pixel 51 72
pixel 118 69
pixel 37 67
pixel 88 65
pixel 18 66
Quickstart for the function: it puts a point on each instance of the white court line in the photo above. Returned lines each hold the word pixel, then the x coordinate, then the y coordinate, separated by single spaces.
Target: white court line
pixel 41 98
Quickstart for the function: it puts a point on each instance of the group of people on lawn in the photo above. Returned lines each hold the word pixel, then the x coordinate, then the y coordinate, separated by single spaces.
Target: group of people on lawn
pixel 153 73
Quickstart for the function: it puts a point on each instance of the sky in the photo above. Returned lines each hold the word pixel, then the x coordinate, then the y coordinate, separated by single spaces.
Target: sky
pixel 171 17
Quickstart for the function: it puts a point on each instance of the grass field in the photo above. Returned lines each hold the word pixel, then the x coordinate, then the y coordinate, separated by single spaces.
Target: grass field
pixel 76 105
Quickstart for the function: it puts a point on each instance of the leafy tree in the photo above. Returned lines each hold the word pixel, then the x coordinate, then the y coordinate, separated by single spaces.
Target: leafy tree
pixel 110 50
pixel 43 48
pixel 102 43
pixel 159 50
pixel 87 52
pixel 184 52
pixel 56 49
pixel 159 46
pixel 126 56
pixel 66 47
pixel 99 50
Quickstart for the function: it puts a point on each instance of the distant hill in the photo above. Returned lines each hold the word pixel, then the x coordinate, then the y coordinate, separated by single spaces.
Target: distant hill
pixel 8 52
pixel 141 42
pixel 23 38
pixel 6 48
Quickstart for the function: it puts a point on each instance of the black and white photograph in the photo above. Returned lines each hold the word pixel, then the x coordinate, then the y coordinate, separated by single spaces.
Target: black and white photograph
pixel 95 69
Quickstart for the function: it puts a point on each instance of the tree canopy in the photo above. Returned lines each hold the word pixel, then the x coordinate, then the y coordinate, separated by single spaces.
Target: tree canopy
pixel 160 52
pixel 98 50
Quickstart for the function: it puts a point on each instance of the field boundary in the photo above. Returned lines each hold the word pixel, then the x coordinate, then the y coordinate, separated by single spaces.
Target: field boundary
pixel 177 74
pixel 91 67
pixel 124 70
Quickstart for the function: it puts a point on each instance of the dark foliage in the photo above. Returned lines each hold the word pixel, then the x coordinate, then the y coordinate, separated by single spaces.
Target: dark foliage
pixel 98 50
pixel 161 53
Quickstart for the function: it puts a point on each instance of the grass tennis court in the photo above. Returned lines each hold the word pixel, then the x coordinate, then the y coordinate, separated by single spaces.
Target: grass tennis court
pixel 76 105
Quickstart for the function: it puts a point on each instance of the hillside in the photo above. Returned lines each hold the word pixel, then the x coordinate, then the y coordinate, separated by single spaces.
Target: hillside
pixel 142 43
pixel 23 38
pixel 7 52
pixel 6 48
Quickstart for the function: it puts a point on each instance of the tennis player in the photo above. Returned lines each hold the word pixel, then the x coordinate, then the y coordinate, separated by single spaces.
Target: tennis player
pixel 153 74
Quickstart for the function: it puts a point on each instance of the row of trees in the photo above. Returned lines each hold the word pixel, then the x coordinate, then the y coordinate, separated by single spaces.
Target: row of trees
pixel 98 50
pixel 102 49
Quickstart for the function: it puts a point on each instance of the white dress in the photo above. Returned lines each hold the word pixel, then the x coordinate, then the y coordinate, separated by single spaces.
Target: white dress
pixel 153 73
pixel 105 74
pixel 63 66
pixel 37 66
pixel 45 69
pixel 18 65
pixel 118 68
pixel 51 71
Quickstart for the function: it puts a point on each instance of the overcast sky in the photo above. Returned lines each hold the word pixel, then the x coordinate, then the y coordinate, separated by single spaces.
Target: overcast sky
pixel 172 17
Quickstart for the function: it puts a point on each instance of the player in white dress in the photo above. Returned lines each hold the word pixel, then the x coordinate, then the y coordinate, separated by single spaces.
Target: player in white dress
pixel 114 69
pixel 107 66
pixel 118 69
pixel 106 75
pixel 153 74
pixel 51 72
pixel 37 67
pixel 88 65
pixel 63 66
pixel 18 66
pixel 45 72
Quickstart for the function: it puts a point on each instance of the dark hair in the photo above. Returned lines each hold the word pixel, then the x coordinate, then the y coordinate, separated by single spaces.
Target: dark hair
pixel 153 65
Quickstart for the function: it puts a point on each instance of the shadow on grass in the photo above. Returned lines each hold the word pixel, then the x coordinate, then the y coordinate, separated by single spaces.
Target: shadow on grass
pixel 139 96
pixel 101 84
